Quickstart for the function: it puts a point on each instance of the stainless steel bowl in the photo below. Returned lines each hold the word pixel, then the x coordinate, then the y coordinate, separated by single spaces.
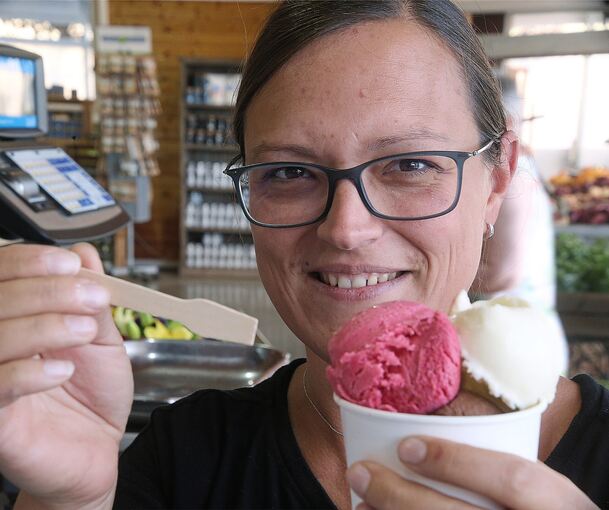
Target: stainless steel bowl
pixel 166 370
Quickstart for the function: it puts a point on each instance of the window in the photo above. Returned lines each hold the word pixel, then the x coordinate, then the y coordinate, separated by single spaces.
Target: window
pixel 61 33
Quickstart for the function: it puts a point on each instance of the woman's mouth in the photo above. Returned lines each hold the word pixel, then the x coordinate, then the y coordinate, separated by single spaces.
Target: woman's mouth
pixel 356 281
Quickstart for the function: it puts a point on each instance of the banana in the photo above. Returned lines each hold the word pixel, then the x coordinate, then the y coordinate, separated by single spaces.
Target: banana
pixel 178 331
pixel 135 325
pixel 121 319
pixel 133 331
pixel 158 330
pixel 146 319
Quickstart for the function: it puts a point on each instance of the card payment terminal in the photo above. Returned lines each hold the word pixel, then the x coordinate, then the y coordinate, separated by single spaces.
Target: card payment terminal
pixel 46 197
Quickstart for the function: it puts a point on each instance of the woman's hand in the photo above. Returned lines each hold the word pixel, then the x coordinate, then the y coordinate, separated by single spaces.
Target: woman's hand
pixel 65 380
pixel 509 480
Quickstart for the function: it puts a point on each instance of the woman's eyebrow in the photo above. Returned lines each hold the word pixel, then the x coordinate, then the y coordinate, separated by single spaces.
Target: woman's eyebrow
pixel 416 135
pixel 299 150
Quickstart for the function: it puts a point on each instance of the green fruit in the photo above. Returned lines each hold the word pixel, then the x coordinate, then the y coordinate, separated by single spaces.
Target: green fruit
pixel 133 331
pixel 120 319
pixel 146 319
pixel 580 265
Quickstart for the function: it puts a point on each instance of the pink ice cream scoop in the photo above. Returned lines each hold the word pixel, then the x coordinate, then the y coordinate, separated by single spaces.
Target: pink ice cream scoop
pixel 398 356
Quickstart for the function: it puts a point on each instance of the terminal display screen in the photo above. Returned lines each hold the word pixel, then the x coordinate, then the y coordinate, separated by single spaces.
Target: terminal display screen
pixel 63 179
pixel 17 93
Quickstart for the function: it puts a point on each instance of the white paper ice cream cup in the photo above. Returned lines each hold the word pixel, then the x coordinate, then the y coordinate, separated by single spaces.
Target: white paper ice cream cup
pixel 374 435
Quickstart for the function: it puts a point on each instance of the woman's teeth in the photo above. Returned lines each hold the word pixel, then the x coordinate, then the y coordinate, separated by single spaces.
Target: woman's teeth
pixel 343 281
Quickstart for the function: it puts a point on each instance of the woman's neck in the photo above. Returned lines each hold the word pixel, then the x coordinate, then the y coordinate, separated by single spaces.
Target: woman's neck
pixel 318 393
pixel 322 448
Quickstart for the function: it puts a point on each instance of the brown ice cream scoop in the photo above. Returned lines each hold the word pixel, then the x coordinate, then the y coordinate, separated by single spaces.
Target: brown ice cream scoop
pixel 473 399
pixel 467 403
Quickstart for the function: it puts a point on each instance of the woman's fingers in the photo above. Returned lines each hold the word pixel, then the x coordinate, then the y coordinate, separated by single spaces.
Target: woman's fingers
pixel 28 376
pixel 508 479
pixel 107 332
pixel 383 489
pixel 25 337
pixel 88 256
pixel 27 261
pixel 38 279
pixel 60 294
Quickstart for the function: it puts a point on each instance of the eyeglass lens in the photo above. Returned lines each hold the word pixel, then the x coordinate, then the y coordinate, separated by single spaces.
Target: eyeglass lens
pixel 400 187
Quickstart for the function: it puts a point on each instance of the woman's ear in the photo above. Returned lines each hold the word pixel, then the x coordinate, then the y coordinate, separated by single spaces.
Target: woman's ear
pixel 503 173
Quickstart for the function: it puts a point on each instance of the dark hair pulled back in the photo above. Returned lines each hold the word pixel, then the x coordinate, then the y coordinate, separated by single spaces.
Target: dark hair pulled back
pixel 297 23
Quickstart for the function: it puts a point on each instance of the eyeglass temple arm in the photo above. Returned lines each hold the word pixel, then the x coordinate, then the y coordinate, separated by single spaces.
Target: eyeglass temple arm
pixel 232 162
pixel 486 147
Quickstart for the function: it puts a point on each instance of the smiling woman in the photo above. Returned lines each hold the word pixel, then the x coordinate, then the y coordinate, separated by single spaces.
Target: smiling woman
pixel 374 160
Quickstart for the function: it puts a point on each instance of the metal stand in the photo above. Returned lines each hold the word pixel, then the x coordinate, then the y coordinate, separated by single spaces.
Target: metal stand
pixel 133 193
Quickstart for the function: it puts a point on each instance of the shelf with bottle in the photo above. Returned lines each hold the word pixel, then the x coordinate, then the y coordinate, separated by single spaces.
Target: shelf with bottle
pixel 208 175
pixel 219 251
pixel 214 228
pixel 207 88
pixel 211 212
pixel 204 128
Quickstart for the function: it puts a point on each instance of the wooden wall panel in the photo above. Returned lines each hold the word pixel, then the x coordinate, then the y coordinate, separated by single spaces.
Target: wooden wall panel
pixel 197 28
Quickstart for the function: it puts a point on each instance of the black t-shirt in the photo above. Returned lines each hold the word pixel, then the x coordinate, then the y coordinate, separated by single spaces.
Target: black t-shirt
pixel 583 452
pixel 236 449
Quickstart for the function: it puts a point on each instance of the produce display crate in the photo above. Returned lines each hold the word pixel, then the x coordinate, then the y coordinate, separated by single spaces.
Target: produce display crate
pixel 585 318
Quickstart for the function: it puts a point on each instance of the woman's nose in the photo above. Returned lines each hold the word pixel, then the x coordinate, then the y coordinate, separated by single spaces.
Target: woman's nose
pixel 349 225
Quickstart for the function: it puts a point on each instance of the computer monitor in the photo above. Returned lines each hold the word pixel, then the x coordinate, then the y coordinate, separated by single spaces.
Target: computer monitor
pixel 23 100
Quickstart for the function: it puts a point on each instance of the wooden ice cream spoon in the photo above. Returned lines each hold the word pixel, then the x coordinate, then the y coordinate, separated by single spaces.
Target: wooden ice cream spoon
pixel 202 316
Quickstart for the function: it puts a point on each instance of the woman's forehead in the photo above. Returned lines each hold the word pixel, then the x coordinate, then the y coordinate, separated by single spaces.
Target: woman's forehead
pixel 381 78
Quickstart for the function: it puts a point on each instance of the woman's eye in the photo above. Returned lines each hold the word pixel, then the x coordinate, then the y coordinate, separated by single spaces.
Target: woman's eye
pixel 289 173
pixel 412 165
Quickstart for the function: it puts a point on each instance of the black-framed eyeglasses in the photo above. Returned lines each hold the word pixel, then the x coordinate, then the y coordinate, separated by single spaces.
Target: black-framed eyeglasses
pixel 408 186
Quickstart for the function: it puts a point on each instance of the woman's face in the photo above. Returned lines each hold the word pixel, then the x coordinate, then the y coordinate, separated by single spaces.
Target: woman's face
pixel 374 90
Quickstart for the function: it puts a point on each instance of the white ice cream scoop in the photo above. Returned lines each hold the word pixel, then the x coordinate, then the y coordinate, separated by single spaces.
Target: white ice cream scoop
pixel 515 348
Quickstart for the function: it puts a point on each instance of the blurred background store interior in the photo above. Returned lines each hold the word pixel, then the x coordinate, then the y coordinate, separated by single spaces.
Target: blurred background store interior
pixel 151 122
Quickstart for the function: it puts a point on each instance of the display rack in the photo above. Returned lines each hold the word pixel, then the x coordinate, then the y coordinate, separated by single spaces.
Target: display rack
pixel 128 105
pixel 215 238
pixel 584 231
pixel 70 128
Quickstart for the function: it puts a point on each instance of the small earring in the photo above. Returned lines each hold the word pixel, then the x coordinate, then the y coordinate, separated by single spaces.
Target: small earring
pixel 490 231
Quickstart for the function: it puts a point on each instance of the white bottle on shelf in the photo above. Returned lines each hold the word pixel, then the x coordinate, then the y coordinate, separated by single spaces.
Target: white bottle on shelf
pixel 228 217
pixel 216 174
pixel 215 213
pixel 205 179
pixel 223 252
pixel 189 214
pixel 205 214
pixel 198 255
pixel 200 174
pixel 190 255
pixel 191 174
pixel 227 182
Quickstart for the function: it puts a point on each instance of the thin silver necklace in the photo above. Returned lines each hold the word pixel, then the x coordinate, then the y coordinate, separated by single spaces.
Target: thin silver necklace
pixel 304 387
